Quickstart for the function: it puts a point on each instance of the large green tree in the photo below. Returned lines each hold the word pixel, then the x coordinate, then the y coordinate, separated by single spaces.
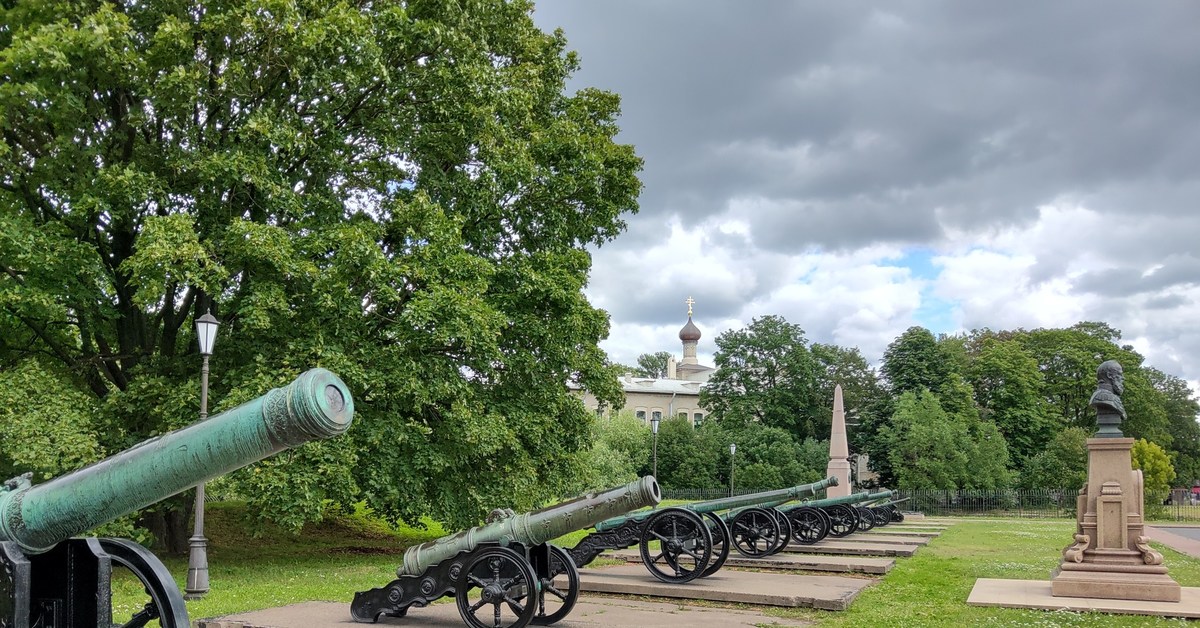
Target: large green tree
pixel 402 192
pixel 1182 410
pixel 1008 388
pixel 766 373
pixel 653 364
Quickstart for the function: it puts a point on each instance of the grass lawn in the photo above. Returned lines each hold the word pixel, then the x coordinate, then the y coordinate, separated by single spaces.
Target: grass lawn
pixel 347 554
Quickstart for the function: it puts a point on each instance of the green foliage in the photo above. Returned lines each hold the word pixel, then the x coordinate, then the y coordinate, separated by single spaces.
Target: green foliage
pixel 687 457
pixel 403 193
pixel 926 447
pixel 653 364
pixel 1062 464
pixel 47 426
pixel 913 361
pixel 1182 410
pixel 1008 389
pixel 765 373
pixel 768 458
pixel 1157 472
pixel 864 398
pixel 620 452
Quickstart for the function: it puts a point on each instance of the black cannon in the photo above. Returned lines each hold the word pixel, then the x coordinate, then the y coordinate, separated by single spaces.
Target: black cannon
pixel 506 567
pixel 50 580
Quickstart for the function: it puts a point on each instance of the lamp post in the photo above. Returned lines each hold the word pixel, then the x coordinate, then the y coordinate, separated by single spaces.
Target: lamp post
pixel 654 436
pixel 732 451
pixel 197 576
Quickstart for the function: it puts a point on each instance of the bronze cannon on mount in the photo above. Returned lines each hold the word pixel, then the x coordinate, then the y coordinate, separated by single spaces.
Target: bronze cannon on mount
pixel 682 543
pixel 812 521
pixel 506 567
pixel 50 580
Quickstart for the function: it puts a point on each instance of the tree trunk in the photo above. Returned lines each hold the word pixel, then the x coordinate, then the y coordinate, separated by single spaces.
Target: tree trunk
pixel 170 523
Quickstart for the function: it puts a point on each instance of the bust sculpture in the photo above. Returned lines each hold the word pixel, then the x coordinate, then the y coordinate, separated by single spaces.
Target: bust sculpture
pixel 1110 385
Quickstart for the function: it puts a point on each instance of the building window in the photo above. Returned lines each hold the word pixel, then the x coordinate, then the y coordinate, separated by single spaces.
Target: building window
pixel 697 419
pixel 683 414
pixel 657 415
pixel 641 415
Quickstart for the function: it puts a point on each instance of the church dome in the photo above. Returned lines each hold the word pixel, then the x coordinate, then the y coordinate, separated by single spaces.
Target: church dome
pixel 689 333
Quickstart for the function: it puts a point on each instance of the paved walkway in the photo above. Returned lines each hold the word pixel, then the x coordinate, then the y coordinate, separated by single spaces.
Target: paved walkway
pixel 1174 540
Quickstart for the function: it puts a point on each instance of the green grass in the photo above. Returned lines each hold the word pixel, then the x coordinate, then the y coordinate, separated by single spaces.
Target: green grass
pixel 931 588
pixel 349 553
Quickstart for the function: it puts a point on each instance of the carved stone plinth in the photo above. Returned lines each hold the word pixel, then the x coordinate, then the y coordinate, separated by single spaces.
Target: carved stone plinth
pixel 1110 557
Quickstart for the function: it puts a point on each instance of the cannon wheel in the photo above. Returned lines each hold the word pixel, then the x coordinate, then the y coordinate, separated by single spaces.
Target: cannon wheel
pixel 755 532
pixel 685 545
pixel 502 580
pixel 785 530
pixel 866 518
pixel 883 516
pixel 808 525
pixel 720 545
pixel 843 520
pixel 897 516
pixel 166 602
pixel 560 564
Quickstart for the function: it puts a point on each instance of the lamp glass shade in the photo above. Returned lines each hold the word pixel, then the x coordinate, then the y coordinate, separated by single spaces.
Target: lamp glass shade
pixel 206 333
pixel 732 448
pixel 654 425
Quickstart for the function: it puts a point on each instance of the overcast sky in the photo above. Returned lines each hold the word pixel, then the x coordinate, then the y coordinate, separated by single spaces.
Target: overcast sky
pixel 859 168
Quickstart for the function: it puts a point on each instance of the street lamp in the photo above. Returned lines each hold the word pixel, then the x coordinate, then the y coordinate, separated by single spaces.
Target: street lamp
pixel 732 451
pixel 654 419
pixel 197 577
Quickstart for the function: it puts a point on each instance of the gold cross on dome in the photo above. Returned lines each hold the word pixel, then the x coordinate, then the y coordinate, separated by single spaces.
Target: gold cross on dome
pixel 689 302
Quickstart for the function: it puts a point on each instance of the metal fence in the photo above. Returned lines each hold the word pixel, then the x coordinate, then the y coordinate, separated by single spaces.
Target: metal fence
pixel 1032 503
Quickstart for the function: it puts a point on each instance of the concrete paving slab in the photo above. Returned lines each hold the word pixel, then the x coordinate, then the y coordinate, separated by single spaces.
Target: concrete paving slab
pixel 783 560
pixel 860 537
pixel 1035 594
pixel 833 593
pixel 590 612
pixel 840 547
pixel 903 532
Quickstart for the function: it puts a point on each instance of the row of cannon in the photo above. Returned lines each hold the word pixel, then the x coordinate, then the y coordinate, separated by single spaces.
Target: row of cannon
pixel 506 574
pixel 503 574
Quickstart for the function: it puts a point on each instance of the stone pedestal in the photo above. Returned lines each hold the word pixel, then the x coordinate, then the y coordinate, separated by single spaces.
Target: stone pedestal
pixel 1111 557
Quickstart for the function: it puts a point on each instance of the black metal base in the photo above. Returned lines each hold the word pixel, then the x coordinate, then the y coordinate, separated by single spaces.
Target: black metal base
pixel 70 585
pixel 404 592
pixel 625 535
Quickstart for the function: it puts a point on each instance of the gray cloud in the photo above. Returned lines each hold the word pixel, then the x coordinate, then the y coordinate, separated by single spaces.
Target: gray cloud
pixel 836 126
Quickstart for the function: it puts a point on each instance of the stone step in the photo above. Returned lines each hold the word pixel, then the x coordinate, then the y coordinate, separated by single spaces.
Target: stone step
pixel 841 547
pixel 784 560
pixel 832 593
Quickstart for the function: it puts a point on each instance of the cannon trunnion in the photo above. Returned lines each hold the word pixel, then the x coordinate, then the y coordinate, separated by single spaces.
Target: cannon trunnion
pixel 50 580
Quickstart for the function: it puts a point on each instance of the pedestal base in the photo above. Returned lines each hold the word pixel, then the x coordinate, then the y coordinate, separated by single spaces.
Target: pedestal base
pixel 1115 585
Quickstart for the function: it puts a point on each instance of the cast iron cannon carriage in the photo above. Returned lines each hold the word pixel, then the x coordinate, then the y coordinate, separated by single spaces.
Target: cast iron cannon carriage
pixel 887 512
pixel 812 521
pixel 505 567
pixel 693 540
pixel 50 580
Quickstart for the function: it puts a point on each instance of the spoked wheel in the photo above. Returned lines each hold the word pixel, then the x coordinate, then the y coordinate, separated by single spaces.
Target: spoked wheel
pixel 866 519
pixel 754 532
pixel 882 515
pixel 842 520
pixel 559 588
pixel 166 602
pixel 720 537
pixel 897 516
pixel 685 545
pixel 785 529
pixel 497 590
pixel 808 525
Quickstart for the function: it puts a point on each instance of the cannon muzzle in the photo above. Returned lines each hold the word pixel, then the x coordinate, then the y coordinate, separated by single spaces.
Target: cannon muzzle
pixel 316 405
pixel 537 527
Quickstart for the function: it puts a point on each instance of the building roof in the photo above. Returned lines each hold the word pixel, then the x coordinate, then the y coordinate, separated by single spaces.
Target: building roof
pixel 661 386
pixel 689 333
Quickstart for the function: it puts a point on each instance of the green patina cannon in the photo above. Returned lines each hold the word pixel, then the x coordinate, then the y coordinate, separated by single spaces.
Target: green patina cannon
pixel 50 580
pixel 506 567
pixel 813 520
pixel 887 512
pixel 693 541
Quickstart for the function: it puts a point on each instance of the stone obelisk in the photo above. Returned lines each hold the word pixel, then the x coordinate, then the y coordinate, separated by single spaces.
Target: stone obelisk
pixel 1111 557
pixel 839 450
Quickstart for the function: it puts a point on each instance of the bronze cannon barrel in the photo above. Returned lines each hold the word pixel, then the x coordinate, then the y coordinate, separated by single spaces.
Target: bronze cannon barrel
pixel 315 405
pixel 535 528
